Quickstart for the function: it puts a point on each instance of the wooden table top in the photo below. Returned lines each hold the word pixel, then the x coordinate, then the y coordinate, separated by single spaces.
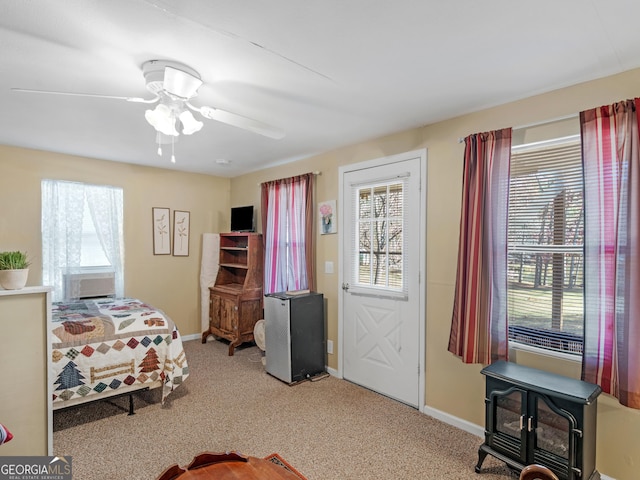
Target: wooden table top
pixel 228 466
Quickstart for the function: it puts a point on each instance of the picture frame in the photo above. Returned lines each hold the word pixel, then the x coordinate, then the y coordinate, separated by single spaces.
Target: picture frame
pixel 161 231
pixel 181 229
pixel 327 216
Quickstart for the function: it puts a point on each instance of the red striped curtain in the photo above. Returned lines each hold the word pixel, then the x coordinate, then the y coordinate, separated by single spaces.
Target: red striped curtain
pixel 287 223
pixel 611 162
pixel 479 324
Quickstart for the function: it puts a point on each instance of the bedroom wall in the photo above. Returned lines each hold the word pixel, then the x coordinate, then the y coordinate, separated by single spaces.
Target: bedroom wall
pixel 453 389
pixel 168 282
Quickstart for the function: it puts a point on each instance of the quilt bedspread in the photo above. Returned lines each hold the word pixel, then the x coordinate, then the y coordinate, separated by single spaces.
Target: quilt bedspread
pixel 109 346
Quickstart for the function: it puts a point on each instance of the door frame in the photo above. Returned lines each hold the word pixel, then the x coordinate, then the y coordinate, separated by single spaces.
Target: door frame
pixel 421 154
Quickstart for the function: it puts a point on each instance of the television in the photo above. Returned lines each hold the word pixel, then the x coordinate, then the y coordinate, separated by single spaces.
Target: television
pixel 242 219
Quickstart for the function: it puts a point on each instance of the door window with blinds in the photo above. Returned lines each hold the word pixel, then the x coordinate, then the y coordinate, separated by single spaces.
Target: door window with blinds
pixel 545 245
pixel 379 242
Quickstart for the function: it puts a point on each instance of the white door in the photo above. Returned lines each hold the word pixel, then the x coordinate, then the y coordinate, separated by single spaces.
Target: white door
pixel 382 256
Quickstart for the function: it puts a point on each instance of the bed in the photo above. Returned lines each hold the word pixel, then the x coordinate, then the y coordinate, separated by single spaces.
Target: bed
pixel 107 347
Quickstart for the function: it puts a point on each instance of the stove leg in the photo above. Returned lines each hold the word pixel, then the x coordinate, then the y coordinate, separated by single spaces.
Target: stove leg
pixel 481 456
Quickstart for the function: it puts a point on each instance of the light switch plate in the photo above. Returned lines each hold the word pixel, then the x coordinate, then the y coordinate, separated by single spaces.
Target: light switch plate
pixel 328 267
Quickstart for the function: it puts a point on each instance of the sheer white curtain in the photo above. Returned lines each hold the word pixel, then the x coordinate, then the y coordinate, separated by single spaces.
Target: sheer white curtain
pixel 105 207
pixel 63 205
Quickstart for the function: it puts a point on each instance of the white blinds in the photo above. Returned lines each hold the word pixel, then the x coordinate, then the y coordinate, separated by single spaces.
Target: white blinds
pixel 379 243
pixel 546 237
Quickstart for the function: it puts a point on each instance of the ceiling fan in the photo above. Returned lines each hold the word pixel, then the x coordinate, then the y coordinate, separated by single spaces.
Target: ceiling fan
pixel 173 86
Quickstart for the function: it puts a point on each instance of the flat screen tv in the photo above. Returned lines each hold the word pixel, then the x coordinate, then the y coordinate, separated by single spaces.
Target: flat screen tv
pixel 242 219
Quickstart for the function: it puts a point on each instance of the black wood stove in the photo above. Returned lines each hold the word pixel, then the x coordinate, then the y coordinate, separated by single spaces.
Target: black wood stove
pixel 539 417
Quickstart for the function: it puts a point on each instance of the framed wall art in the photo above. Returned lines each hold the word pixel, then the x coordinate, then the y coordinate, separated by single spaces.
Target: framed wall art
pixel 161 231
pixel 327 216
pixel 180 233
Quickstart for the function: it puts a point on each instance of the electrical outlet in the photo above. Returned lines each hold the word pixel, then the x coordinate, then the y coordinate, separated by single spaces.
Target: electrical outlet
pixel 330 347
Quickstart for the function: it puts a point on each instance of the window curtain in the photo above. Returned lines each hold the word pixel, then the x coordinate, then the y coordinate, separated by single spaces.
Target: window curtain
pixel 106 210
pixel 62 211
pixel 479 323
pixel 612 270
pixel 287 223
pixel 62 217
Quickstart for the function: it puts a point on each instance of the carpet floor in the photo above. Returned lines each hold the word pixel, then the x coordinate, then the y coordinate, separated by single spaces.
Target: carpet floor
pixel 329 429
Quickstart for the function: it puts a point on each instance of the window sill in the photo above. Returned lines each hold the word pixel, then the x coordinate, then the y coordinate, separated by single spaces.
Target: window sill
pixel 542 352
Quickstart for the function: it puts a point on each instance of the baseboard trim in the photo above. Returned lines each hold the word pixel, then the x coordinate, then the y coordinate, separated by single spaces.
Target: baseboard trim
pixel 449 419
pixel 333 372
pixel 193 336
pixel 469 427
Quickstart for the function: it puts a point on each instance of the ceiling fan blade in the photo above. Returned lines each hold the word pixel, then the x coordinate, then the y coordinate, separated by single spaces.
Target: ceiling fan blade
pixel 95 95
pixel 240 121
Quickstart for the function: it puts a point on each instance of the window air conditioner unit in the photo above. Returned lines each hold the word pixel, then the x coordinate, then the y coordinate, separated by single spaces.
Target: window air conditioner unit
pixel 89 285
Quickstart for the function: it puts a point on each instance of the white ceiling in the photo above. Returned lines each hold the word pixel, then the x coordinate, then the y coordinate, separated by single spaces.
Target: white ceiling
pixel 330 73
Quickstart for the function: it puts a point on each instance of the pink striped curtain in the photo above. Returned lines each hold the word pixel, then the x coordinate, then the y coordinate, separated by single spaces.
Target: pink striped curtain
pixel 287 223
pixel 479 325
pixel 611 161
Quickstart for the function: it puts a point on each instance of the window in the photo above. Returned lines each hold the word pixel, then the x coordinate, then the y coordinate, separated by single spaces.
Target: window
pixel 288 224
pixel 380 240
pixel 91 253
pixel 379 250
pixel 545 273
pixel 81 231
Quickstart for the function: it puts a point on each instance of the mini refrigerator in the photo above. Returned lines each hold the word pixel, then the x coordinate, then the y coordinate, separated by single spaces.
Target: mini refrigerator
pixel 294 335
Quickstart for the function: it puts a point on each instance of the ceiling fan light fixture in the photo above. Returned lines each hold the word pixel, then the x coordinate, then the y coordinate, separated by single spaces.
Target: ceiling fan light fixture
pixel 189 123
pixel 162 119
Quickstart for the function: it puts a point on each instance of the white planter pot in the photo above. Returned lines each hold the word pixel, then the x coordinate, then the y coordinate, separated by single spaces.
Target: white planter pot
pixel 13 279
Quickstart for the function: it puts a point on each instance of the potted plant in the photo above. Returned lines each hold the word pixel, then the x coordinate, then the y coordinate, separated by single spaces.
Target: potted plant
pixel 14 270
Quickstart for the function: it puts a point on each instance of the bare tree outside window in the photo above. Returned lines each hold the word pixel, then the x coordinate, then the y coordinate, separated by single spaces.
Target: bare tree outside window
pixel 546 238
pixel 380 239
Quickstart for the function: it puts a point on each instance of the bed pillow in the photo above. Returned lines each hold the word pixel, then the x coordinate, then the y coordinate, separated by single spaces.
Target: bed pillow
pixel 5 435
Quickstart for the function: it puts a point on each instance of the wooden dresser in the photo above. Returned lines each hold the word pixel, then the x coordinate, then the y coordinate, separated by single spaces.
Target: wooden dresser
pixel 235 299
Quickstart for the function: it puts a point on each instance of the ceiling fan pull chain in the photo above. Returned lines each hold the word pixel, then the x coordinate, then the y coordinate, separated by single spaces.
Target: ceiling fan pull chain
pixel 158 141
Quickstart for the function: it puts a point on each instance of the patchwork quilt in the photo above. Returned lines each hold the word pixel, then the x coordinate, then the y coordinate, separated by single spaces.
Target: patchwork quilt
pixel 109 346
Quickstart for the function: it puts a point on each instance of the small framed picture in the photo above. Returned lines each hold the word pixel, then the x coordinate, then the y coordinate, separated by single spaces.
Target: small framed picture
pixel 327 216
pixel 161 231
pixel 180 233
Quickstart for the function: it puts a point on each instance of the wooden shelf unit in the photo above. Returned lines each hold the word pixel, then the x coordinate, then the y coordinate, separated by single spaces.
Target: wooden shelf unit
pixel 235 300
